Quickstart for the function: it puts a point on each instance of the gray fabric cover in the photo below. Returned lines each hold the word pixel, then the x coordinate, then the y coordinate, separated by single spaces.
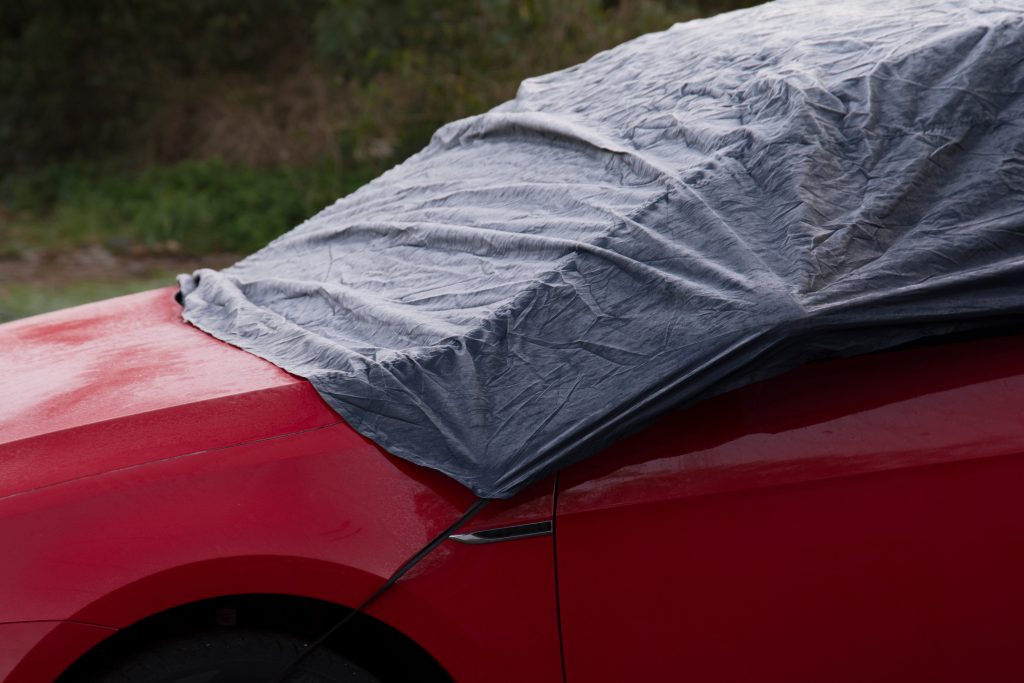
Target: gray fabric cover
pixel 678 216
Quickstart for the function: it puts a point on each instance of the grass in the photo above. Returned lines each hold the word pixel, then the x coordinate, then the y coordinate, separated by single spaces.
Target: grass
pixel 194 207
pixel 22 300
pixel 190 209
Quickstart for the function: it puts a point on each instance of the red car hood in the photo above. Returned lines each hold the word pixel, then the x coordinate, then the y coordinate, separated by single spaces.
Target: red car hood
pixel 127 381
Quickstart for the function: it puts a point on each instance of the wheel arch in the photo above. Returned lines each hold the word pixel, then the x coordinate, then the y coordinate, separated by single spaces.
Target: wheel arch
pixel 295 595
pixel 368 642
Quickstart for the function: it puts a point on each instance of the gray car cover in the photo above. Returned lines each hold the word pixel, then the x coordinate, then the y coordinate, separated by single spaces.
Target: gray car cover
pixel 684 214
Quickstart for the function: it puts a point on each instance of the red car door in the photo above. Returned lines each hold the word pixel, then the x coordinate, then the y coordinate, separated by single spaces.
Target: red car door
pixel 854 520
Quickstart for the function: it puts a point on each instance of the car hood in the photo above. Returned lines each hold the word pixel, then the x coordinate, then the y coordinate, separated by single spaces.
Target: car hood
pixel 126 381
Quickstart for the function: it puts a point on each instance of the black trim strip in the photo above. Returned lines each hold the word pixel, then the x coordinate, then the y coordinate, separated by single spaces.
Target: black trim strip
pixel 505 533
pixel 392 580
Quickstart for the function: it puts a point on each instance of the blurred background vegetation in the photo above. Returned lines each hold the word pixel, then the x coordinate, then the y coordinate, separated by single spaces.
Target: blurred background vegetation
pixel 141 137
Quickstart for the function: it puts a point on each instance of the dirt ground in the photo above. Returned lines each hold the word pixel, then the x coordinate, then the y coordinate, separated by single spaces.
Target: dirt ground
pixel 97 263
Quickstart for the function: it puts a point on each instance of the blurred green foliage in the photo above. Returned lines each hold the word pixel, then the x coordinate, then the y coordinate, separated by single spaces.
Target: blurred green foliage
pixel 220 123
pixel 203 206
pixel 78 76
pixel 19 300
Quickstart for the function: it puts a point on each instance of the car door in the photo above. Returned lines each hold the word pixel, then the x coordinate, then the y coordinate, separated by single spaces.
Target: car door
pixel 853 520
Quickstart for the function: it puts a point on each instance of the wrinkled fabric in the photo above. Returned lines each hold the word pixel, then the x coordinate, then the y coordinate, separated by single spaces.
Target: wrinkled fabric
pixel 682 215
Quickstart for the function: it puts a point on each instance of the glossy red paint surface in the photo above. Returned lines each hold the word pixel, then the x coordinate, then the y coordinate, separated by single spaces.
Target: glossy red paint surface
pixel 113 359
pixel 498 601
pixel 232 478
pixel 120 383
pixel 853 520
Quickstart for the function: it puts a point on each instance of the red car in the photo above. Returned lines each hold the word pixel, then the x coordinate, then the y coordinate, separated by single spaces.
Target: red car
pixel 175 509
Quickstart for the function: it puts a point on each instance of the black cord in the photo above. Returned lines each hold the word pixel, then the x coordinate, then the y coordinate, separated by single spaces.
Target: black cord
pixel 392 580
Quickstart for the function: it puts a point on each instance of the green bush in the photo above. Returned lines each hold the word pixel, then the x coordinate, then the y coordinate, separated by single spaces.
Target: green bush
pixel 303 100
pixel 81 78
pixel 107 79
